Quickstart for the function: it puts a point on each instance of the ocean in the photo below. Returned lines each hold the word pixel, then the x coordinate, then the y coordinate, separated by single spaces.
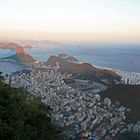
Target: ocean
pixel 7 67
pixel 125 57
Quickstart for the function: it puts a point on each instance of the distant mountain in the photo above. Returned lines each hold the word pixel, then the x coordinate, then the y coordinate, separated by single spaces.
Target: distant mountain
pixel 23 58
pixel 37 43
pixel 84 70
pixel 68 58
pixel 20 55
pixel 12 45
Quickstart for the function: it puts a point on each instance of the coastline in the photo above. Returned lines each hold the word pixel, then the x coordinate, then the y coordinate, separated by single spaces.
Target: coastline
pixel 127 77
pixel 10 66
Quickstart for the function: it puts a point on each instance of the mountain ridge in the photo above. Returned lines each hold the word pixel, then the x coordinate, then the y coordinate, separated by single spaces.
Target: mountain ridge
pixel 20 55
pixel 80 69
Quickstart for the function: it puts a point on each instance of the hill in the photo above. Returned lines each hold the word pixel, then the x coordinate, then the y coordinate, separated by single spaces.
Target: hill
pixel 20 55
pixel 23 58
pixel 83 71
pixel 23 117
pixel 127 95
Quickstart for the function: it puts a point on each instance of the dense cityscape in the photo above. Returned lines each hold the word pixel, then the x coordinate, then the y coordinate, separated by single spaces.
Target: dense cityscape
pixel 78 112
pixel 69 69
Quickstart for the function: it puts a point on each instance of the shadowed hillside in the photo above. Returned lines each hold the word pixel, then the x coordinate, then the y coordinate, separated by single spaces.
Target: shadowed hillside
pixel 84 70
pixel 128 96
pixel 23 117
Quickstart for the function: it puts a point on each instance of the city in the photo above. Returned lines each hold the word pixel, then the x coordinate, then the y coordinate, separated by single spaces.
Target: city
pixel 79 113
pixel 69 69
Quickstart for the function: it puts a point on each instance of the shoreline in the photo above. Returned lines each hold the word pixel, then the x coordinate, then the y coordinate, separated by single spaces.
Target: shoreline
pixel 127 77
pixel 5 69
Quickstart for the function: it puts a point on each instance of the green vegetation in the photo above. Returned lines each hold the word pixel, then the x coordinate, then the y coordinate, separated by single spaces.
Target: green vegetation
pixel 23 117
pixel 1 77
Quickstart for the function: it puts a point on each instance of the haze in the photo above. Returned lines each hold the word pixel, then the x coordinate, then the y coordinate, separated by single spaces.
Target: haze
pixel 88 20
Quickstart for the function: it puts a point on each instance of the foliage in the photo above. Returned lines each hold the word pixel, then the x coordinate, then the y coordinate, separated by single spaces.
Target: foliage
pixel 23 117
pixel 1 77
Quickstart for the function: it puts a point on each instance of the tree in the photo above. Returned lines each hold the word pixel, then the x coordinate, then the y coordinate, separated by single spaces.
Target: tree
pixel 23 117
pixel 1 77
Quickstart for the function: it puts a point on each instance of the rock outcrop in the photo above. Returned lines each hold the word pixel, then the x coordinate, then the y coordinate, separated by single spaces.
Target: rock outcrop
pixel 20 55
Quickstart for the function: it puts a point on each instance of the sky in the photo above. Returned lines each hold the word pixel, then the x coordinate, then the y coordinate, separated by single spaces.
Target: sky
pixel 89 20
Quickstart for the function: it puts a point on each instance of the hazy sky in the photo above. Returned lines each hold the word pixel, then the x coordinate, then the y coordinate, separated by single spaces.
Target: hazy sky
pixel 97 20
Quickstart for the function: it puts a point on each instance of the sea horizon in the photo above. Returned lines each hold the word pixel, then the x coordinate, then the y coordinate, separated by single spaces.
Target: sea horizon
pixel 117 57
pixel 109 56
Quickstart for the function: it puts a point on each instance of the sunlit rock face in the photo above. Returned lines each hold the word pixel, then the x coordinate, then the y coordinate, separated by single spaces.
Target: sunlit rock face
pixel 25 58
pixel 20 55
pixel 20 50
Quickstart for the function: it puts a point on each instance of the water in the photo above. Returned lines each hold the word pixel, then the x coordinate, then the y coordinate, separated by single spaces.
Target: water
pixel 124 57
pixel 6 52
pixel 8 67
